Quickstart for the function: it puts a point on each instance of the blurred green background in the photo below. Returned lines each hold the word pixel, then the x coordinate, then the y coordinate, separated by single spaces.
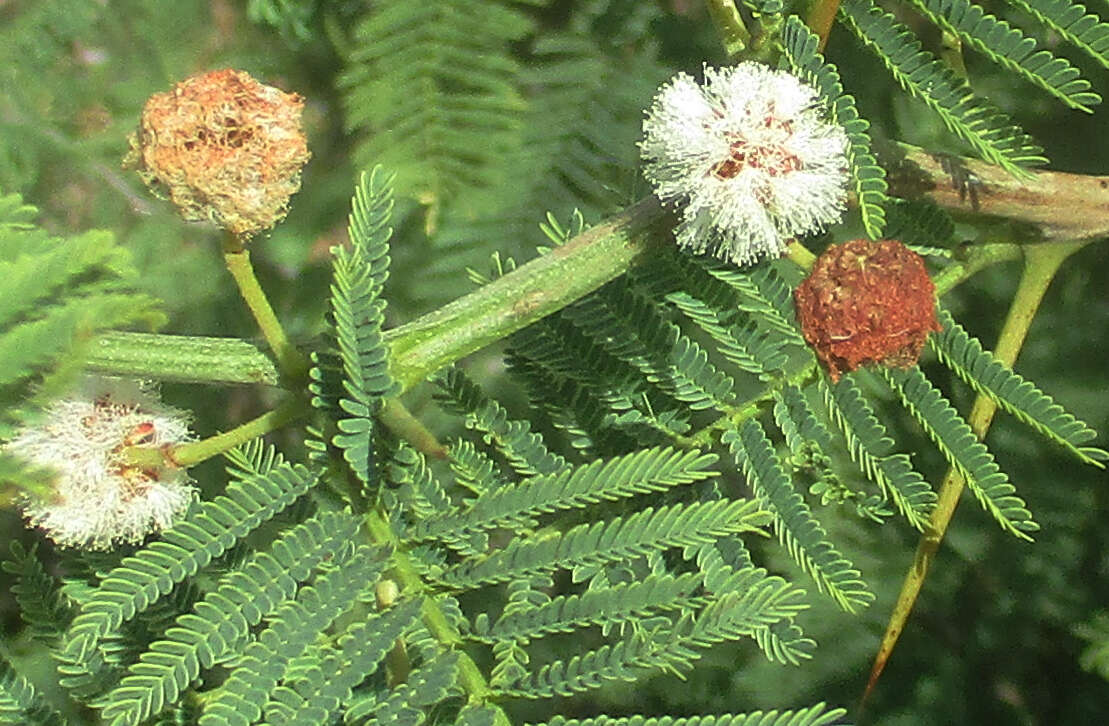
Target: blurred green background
pixel 993 638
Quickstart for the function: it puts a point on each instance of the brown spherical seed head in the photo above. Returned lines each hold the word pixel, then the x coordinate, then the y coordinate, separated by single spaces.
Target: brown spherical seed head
pixel 867 302
pixel 223 148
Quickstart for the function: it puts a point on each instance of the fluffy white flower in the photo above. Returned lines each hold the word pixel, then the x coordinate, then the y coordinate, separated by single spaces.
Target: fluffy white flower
pixel 750 158
pixel 99 497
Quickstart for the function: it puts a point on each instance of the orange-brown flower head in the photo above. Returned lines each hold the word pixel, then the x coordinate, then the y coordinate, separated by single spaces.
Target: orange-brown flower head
pixel 867 302
pixel 223 147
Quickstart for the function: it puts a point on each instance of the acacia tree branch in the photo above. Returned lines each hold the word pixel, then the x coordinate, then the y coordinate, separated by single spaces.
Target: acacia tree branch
pixel 1051 206
pixel 1054 206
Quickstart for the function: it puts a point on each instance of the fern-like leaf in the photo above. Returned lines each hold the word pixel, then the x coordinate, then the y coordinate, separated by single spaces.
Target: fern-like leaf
pixel 408 703
pixel 1073 24
pixel 357 314
pixel 631 327
pixel 327 674
pixel 801 46
pixel 727 567
pixel 797 529
pixel 869 446
pixel 596 606
pixel 294 627
pixel 991 133
pixel 650 470
pixel 21 704
pixel 817 715
pixel 963 451
pixel 182 551
pixel 1010 48
pixel 524 450
pixel 651 530
pixel 220 623
pixel 735 615
pixel 433 89
pixel 43 606
pixel 1009 390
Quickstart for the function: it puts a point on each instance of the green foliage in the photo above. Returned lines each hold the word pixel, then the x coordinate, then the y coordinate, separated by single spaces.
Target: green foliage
pixel 650 470
pixel 357 313
pixel 46 610
pixel 209 531
pixel 966 455
pixel 805 61
pixel 1008 46
pixel 1009 390
pixel 1073 24
pixel 20 704
pixel 1095 657
pixel 797 529
pixel 989 132
pixel 326 675
pixel 221 621
pixel 818 715
pixel 525 451
pixel 592 537
pixel 292 629
pixel 870 446
pixel 434 88
pixel 57 294
pixel 647 531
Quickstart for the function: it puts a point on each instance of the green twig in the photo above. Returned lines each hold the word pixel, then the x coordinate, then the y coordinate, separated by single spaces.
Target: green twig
pixel 182 358
pixel 729 26
pixel 1040 265
pixel 192 453
pixel 514 301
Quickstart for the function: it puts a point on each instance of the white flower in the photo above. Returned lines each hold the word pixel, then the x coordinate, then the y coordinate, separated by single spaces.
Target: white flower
pixel 749 156
pixel 99 497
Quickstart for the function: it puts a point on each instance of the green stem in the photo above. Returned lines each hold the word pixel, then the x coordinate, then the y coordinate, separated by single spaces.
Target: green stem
pixel 401 422
pixel 292 363
pixel 535 290
pixel 729 26
pixel 181 358
pixel 191 454
pixel 1041 262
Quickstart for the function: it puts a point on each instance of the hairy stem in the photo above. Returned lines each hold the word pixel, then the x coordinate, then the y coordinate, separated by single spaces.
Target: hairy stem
pixel 1040 265
pixel 182 358
pixel 532 291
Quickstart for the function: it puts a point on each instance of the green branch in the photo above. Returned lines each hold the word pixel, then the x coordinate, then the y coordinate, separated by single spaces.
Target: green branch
pixel 1040 265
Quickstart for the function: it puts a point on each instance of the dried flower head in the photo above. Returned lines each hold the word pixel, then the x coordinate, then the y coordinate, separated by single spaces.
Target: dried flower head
pixel 224 148
pixel 99 497
pixel 749 157
pixel 867 302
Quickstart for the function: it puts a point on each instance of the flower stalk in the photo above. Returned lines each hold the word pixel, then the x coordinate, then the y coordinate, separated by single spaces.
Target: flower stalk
pixel 291 361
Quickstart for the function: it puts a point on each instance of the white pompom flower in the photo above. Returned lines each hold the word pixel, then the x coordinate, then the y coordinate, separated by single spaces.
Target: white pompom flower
pixel 748 158
pixel 100 497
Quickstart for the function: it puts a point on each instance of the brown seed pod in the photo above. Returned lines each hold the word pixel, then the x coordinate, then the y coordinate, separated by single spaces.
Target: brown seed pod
pixel 224 148
pixel 867 302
